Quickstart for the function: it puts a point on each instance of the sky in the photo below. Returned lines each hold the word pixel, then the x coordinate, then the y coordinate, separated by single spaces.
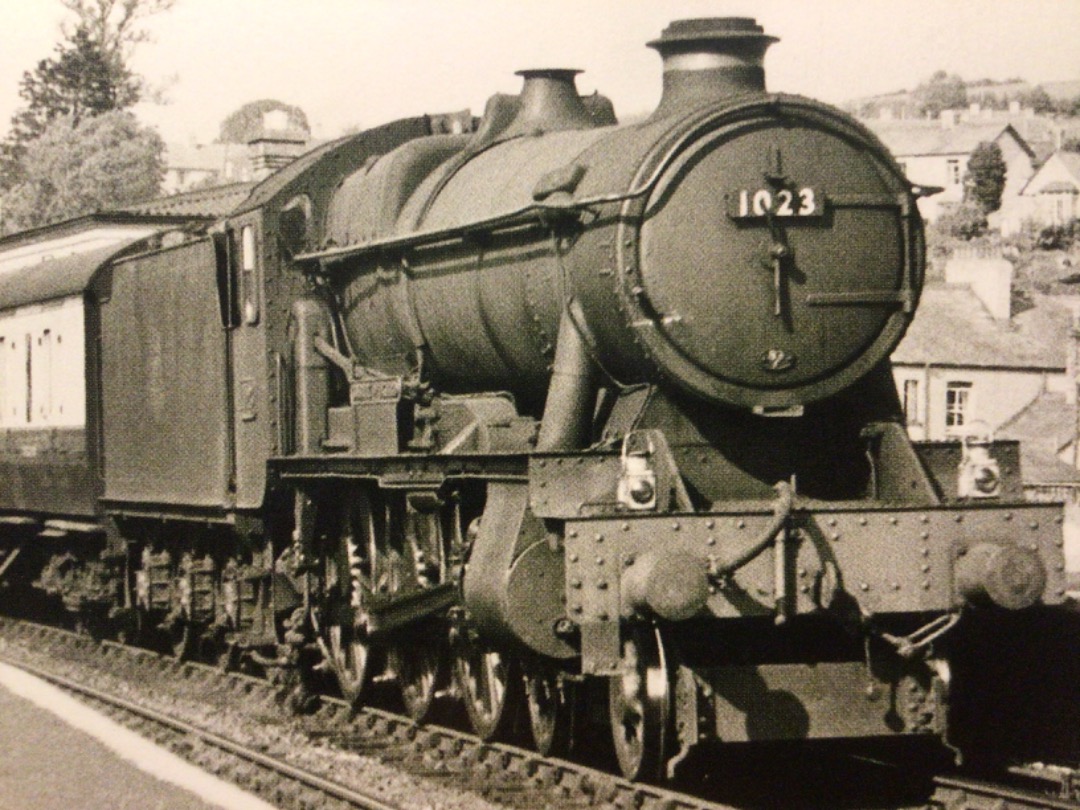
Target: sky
pixel 359 63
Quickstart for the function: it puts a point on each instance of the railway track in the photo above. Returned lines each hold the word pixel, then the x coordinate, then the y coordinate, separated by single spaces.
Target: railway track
pixel 274 779
pixel 452 760
pixel 954 793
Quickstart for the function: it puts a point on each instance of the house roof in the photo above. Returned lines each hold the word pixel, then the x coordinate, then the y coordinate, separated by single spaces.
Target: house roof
pixel 922 137
pixel 953 328
pixel 1060 187
pixel 208 203
pixel 1069 161
pixel 1049 420
pixel 1044 428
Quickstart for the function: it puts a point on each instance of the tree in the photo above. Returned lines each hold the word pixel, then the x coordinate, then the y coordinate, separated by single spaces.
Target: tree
pixel 1069 106
pixel 80 81
pixel 245 124
pixel 985 178
pixel 115 25
pixel 73 169
pixel 940 92
pixel 1037 99
pixel 87 76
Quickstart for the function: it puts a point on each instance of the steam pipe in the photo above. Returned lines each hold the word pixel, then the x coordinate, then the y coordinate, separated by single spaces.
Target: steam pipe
pixel 571 392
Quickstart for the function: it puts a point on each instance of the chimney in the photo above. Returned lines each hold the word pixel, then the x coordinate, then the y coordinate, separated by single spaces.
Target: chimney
pixel 276 144
pixel 709 59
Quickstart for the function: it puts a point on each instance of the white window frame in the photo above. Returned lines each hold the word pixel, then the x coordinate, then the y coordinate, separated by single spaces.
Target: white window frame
pixel 952 171
pixel 959 405
pixel 910 399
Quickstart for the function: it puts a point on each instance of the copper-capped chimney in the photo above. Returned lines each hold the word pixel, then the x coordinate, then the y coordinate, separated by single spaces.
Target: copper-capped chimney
pixel 549 102
pixel 709 59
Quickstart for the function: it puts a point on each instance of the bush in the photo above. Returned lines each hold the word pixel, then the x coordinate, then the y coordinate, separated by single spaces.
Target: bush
pixel 964 221
pixel 1057 237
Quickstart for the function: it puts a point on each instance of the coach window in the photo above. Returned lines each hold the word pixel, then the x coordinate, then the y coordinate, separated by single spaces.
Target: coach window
pixel 249 286
pixel 9 385
pixel 44 372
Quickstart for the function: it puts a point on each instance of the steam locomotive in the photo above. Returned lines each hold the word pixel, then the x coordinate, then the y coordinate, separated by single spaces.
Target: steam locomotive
pixel 539 408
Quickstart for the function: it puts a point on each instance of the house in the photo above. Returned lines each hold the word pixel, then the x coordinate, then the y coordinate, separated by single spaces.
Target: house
pixel 1052 195
pixel 270 146
pixel 190 166
pixel 936 153
pixel 968 358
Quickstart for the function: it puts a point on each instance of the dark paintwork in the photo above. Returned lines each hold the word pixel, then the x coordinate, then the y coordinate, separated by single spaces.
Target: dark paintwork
pixel 47 472
pixel 163 380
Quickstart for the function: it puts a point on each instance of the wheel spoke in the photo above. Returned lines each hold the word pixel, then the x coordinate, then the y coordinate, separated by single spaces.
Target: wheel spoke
pixel 492 691
pixel 348 577
pixel 419 670
pixel 640 706
pixel 551 702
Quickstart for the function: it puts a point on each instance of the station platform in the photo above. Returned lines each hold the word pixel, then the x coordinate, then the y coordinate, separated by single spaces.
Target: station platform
pixel 59 754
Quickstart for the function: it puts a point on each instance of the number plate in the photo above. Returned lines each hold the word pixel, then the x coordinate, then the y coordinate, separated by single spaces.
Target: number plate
pixel 788 203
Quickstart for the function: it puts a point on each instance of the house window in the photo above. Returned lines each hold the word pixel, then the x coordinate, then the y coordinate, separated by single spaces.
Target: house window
pixel 957 405
pixel 952 172
pixel 911 402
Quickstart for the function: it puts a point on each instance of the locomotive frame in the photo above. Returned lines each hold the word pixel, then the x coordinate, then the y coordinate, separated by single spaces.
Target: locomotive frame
pixel 438 406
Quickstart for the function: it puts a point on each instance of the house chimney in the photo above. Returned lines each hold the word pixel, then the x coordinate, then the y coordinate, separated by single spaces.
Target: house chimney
pixel 277 143
pixel 710 59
